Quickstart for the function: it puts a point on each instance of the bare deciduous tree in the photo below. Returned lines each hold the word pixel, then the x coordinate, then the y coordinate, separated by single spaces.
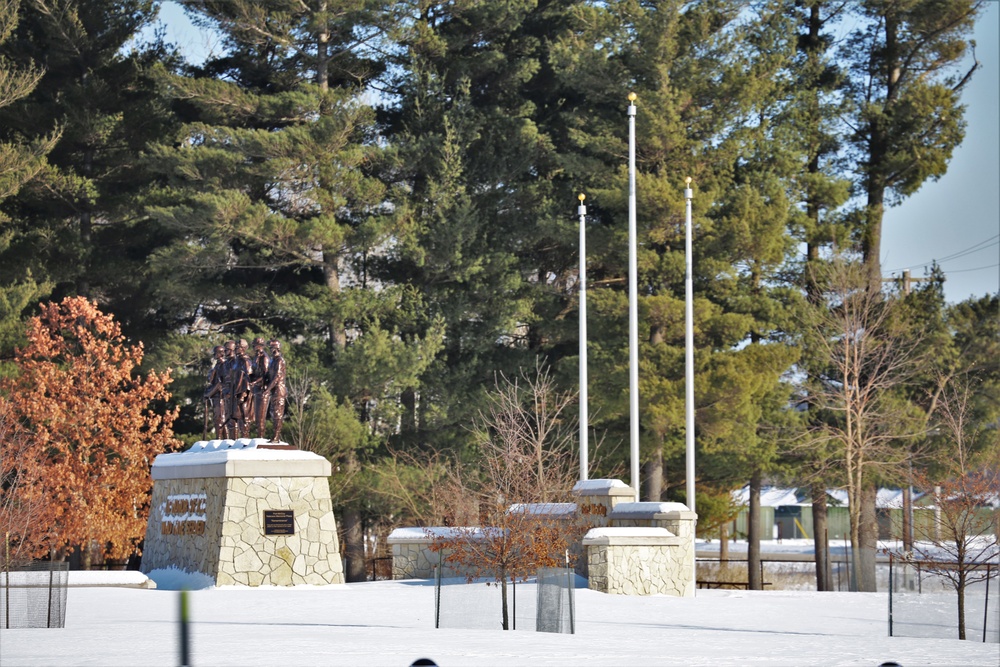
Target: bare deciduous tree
pixel 426 489
pixel 962 538
pixel 868 354
pixel 526 443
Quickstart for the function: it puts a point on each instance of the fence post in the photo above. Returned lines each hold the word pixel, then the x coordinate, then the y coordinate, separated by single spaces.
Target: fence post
pixel 890 594
pixel 569 598
pixel 6 581
pixel 437 591
pixel 48 618
pixel 986 605
pixel 513 588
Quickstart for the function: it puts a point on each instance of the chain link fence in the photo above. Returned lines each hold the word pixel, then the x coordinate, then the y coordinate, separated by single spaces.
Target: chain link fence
pixel 555 610
pixel 34 596
pixel 924 601
pixel 545 603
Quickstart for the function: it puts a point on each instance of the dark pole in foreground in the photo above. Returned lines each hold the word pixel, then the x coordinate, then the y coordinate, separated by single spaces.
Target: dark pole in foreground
pixel 185 645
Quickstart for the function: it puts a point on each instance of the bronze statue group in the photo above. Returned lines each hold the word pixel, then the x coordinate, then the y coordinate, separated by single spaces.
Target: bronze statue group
pixel 242 390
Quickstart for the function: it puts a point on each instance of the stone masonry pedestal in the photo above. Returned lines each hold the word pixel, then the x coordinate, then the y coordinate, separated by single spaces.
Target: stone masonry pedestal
pixel 244 512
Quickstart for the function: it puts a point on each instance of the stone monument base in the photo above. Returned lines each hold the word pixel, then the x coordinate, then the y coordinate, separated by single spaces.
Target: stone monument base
pixel 244 512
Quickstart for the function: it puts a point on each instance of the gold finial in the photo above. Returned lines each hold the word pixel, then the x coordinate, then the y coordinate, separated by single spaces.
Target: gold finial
pixel 687 181
pixel 581 197
pixel 632 97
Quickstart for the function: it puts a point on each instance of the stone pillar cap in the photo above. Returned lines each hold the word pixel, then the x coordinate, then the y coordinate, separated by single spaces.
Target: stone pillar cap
pixel 602 487
pixel 649 510
pixel 637 536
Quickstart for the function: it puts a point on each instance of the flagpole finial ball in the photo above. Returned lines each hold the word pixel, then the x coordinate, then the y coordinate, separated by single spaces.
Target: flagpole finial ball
pixel 632 97
pixel 581 196
pixel 687 181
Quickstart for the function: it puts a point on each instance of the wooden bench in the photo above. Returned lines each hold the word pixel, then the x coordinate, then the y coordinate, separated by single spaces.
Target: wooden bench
pixel 736 585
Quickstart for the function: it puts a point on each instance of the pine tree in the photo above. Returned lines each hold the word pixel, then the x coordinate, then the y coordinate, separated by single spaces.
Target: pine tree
pixel 278 221
pixel 482 243
pixel 907 118
pixel 821 190
pixel 905 87
pixel 76 225
pixel 21 159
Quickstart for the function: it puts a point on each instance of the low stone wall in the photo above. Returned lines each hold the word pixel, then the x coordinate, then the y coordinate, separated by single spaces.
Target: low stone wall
pixel 648 547
pixel 208 516
pixel 412 557
pixel 637 561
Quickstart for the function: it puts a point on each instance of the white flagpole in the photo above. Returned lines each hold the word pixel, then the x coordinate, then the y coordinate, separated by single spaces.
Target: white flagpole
pixel 584 456
pixel 633 307
pixel 688 349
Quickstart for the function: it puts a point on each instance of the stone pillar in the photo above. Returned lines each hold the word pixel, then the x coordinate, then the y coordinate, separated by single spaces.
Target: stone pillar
pixel 637 561
pixel 244 512
pixel 597 498
pixel 673 517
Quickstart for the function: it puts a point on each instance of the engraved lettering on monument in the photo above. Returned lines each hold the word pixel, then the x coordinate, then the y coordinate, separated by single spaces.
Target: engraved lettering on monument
pixel 279 522
pixel 183 514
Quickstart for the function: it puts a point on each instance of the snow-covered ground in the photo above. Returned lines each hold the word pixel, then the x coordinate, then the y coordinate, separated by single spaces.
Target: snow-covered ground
pixel 392 623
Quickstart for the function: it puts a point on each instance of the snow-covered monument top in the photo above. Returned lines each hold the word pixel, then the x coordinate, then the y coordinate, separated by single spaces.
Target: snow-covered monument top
pixel 244 457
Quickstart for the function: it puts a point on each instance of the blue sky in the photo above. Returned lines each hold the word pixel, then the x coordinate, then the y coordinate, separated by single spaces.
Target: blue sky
pixel 955 220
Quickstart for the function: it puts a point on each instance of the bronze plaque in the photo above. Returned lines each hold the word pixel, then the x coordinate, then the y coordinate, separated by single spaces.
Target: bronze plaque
pixel 279 522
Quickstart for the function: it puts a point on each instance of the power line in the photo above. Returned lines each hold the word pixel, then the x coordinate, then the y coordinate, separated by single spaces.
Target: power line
pixel 971 250
pixel 981 268
pixel 982 245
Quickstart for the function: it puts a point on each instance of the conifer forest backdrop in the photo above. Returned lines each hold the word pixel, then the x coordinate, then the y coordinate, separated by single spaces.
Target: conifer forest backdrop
pixel 389 187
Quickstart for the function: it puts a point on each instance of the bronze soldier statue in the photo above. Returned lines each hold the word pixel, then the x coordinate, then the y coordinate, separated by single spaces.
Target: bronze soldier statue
pixel 228 373
pixel 276 388
pixel 241 396
pixel 213 393
pixel 258 383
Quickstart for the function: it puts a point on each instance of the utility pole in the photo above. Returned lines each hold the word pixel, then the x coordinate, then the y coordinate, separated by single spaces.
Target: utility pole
pixel 906 280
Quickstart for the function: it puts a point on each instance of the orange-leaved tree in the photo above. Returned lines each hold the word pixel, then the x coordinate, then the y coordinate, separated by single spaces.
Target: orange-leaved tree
pixel 92 431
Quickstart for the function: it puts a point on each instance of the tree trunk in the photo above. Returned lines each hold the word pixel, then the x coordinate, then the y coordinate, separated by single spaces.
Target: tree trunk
pixel 724 545
pixel 322 51
pixel 907 528
pixel 86 555
pixel 503 600
pixel 86 228
pixel 331 275
pixel 960 590
pixel 821 542
pixel 654 477
pixel 867 540
pixel 354 545
pixel 753 534
pixel 408 420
